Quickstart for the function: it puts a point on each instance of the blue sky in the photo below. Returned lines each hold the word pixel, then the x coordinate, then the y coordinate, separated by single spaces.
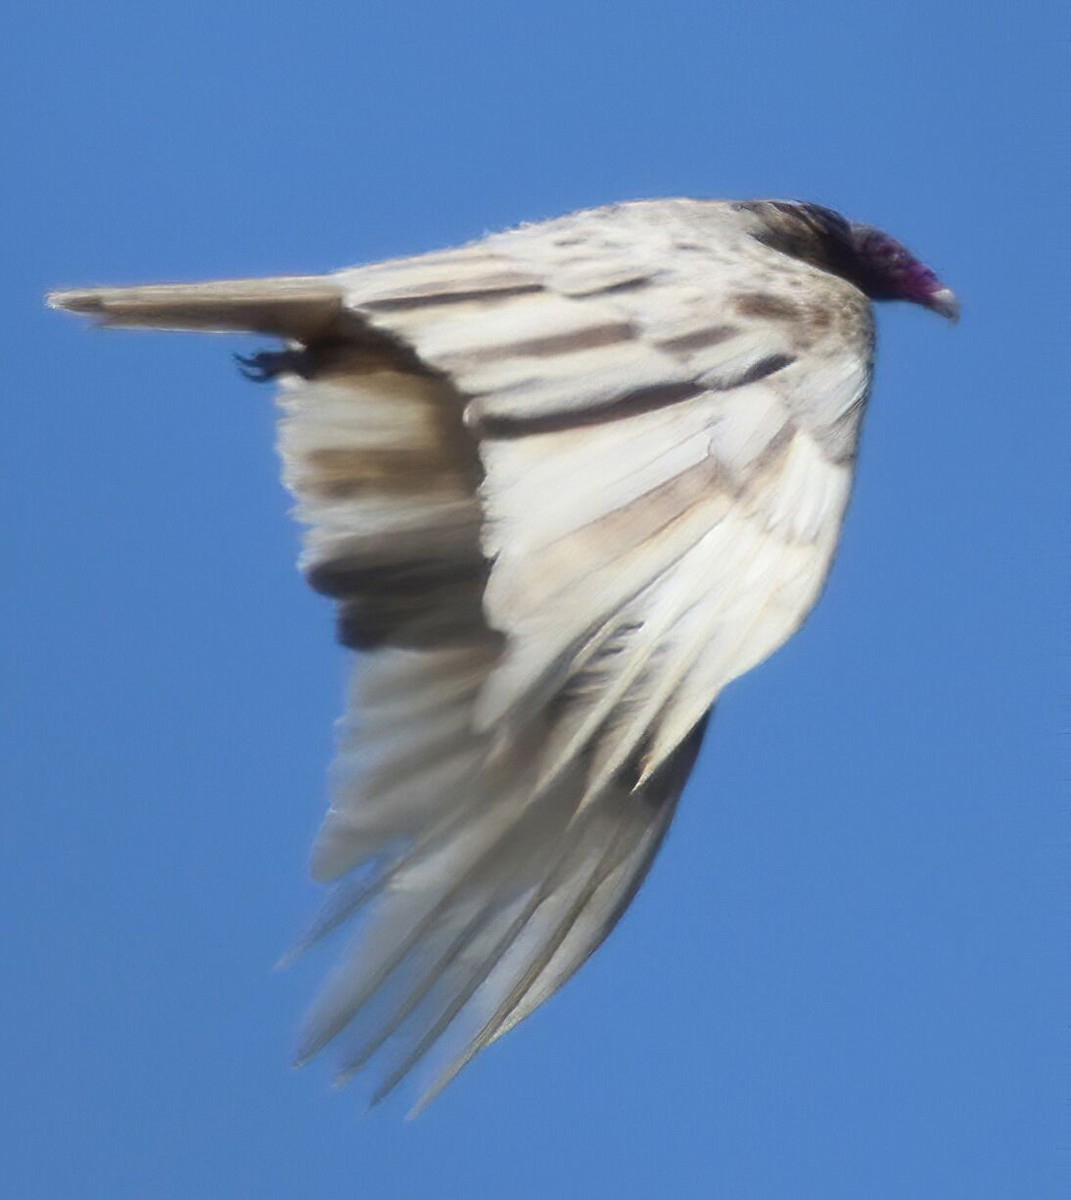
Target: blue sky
pixel 844 978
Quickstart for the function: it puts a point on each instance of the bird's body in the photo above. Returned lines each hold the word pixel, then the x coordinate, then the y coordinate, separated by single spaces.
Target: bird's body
pixel 565 484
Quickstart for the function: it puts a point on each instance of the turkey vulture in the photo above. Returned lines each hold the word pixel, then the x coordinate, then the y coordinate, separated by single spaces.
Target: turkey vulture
pixel 564 484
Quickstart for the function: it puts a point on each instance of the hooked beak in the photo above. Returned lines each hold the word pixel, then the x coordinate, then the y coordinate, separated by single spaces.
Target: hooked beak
pixel 944 301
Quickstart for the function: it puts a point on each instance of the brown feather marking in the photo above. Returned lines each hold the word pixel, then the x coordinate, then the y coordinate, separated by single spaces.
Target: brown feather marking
pixel 345 474
pixel 765 306
pixel 699 339
pixel 632 284
pixel 609 334
pixel 630 404
pixel 761 369
pixel 491 295
pixel 356 349
pixel 819 318
pixel 419 612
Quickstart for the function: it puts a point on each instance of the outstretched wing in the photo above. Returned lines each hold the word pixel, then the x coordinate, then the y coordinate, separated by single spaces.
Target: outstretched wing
pixel 564 484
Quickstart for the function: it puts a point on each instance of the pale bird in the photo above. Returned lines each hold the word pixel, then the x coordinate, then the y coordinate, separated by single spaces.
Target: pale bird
pixel 564 484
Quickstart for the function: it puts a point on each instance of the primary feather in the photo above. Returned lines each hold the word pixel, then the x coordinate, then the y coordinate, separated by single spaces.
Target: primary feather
pixel 564 485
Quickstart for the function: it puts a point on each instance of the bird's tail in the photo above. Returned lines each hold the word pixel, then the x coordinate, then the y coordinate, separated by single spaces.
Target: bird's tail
pixel 302 307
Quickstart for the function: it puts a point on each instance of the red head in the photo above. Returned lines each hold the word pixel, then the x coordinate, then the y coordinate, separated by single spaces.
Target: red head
pixel 876 263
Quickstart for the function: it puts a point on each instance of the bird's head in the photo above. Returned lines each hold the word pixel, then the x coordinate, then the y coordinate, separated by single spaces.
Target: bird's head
pixel 876 263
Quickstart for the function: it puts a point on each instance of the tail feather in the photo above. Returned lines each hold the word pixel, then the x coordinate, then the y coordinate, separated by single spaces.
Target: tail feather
pixel 302 307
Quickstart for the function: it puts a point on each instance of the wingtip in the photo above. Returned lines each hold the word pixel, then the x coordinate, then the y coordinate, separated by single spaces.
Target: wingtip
pixel 426 1097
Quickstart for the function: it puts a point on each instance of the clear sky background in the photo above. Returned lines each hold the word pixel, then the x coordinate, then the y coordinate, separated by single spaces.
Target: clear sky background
pixel 844 979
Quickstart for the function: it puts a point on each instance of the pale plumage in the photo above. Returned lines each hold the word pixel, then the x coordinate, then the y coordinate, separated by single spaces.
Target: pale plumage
pixel 565 484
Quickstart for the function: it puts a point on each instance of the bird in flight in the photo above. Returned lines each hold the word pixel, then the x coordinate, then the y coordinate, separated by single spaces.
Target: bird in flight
pixel 563 484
